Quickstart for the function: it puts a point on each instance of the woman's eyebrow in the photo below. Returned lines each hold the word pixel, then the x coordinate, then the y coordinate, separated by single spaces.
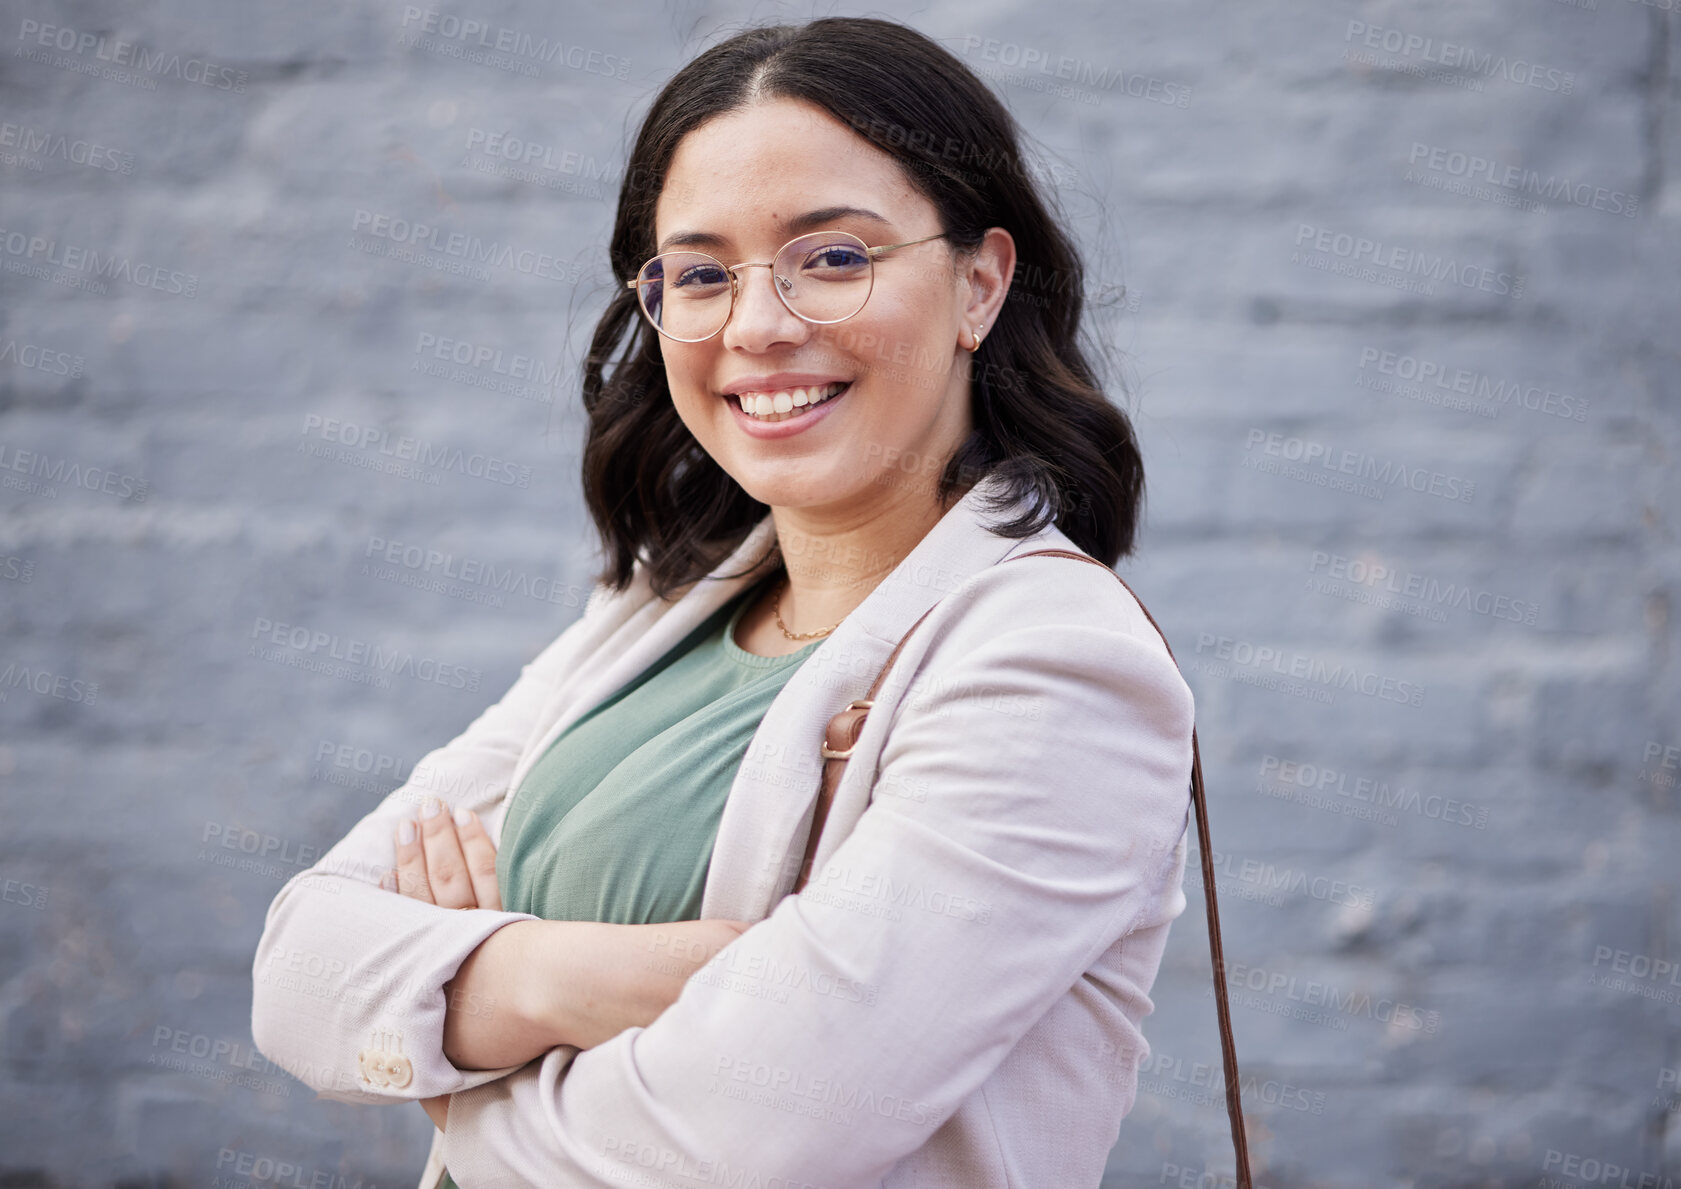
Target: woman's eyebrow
pixel 796 225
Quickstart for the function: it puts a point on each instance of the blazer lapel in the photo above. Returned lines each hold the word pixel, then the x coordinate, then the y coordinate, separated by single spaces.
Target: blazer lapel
pixel 760 840
pixel 646 627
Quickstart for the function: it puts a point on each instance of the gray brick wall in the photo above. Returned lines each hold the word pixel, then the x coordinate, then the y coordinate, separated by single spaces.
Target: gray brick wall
pixel 1448 887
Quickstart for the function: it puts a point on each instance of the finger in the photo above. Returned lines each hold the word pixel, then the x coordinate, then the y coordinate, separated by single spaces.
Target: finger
pixel 437 1109
pixel 446 866
pixel 480 853
pixel 410 872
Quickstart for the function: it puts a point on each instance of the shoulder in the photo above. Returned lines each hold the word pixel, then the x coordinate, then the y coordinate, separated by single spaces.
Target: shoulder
pixel 1053 591
pixel 1072 615
pixel 1042 682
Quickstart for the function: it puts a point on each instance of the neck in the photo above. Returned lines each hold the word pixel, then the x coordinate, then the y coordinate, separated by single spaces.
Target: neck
pixel 835 558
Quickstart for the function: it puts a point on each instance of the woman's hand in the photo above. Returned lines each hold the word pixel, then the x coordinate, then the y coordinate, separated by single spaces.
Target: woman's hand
pixel 559 982
pixel 437 1109
pixel 444 859
pixel 449 861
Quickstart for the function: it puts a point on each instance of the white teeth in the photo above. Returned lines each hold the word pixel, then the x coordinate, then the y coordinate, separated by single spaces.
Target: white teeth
pixel 778 406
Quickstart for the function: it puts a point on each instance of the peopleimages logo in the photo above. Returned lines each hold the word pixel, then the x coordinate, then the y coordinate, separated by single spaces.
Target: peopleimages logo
pixel 42 359
pixel 466 31
pixel 1586 1170
pixel 58 469
pixel 1404 262
pixel 1639 965
pixel 1430 374
pixel 48 685
pixel 42 145
pixel 424 566
pixel 1313 992
pixel 520 151
pixel 85 262
pixel 1336 463
pixel 488 367
pixel 459 245
pixel 292 640
pixel 1474 167
pixel 422 453
pixel 1037 66
pixel 1377 576
pixel 1159 1072
pixel 146 63
pixel 1518 71
pixel 1319 780
pixel 257 1169
pixel 1310 669
pixel 1275 880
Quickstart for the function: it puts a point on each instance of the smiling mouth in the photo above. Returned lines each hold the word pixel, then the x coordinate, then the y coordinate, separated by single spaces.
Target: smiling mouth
pixel 787 403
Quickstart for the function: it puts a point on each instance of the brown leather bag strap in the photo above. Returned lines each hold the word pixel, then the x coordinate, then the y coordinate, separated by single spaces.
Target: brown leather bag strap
pixel 842 735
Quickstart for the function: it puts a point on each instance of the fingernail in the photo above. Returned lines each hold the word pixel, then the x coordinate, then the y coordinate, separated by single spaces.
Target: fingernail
pixel 463 816
pixel 431 807
pixel 405 832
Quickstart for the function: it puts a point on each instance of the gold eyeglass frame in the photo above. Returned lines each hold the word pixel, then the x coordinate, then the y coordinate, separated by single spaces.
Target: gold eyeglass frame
pixel 735 280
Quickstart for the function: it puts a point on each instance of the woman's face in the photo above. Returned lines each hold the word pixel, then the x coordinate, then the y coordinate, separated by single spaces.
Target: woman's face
pixel 744 180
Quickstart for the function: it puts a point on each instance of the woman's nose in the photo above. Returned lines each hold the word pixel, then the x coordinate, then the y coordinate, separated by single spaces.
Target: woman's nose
pixel 759 319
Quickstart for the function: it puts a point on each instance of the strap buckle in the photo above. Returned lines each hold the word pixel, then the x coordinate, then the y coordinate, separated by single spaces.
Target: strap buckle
pixel 856 704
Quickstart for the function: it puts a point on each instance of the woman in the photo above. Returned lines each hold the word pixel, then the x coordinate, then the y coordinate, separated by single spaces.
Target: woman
pixel 828 412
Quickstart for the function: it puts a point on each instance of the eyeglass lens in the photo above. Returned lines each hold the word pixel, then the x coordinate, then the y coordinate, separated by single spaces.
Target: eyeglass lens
pixel 823 277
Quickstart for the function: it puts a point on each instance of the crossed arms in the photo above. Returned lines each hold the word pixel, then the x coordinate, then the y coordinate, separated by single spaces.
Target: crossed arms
pixel 952 921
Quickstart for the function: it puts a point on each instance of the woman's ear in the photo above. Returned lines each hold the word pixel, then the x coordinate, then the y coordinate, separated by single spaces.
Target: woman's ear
pixel 987 270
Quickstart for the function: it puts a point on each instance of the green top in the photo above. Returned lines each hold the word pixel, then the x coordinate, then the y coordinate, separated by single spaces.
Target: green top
pixel 617 820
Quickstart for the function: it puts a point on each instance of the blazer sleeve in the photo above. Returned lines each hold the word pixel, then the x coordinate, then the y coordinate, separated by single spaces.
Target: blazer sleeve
pixel 346 972
pixel 1028 805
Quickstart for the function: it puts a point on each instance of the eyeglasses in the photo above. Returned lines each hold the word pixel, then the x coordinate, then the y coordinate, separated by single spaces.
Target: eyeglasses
pixel 823 277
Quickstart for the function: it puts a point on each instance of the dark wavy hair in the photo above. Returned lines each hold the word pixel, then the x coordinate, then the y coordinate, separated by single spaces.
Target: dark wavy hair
pixel 1040 418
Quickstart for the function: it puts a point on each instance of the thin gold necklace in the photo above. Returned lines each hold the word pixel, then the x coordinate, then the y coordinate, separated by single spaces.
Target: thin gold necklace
pixel 776 609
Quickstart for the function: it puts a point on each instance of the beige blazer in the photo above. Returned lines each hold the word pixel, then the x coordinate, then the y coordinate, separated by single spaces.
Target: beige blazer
pixel 953 1002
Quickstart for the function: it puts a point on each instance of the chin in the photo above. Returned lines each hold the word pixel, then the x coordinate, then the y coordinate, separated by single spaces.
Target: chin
pixel 800 492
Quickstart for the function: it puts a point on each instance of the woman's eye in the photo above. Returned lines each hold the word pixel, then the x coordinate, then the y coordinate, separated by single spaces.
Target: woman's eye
pixel 838 257
pixel 700 276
